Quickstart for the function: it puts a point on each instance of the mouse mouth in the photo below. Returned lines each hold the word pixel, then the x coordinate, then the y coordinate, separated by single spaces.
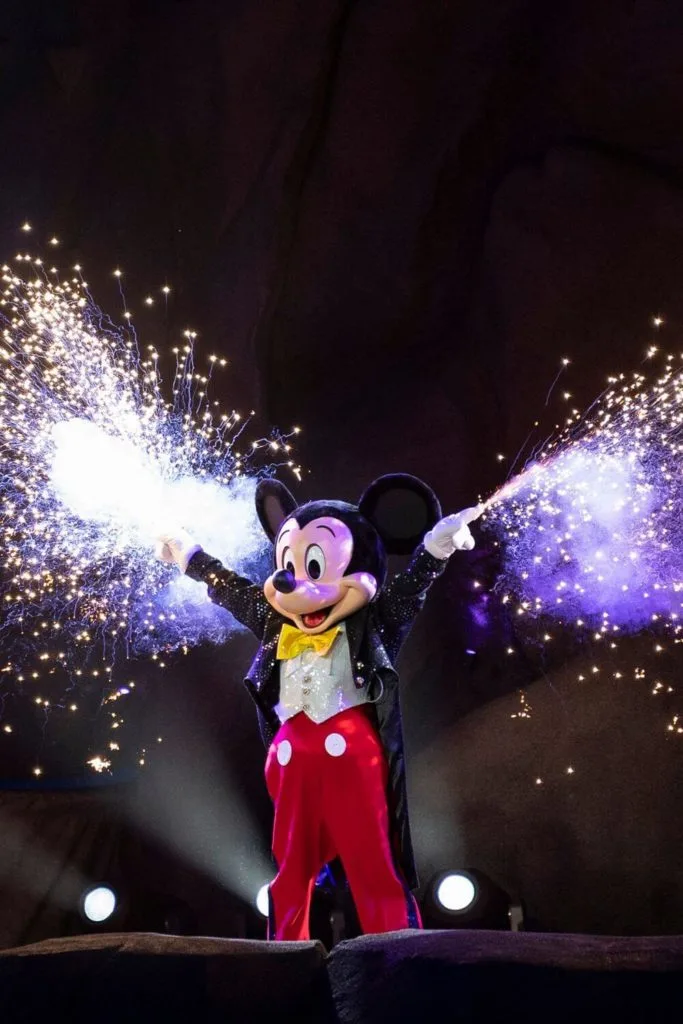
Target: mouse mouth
pixel 313 619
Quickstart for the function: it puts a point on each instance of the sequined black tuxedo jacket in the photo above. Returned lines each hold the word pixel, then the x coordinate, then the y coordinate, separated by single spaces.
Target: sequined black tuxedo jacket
pixel 375 634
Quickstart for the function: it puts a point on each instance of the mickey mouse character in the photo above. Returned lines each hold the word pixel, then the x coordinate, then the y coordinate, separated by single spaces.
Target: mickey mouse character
pixel 325 686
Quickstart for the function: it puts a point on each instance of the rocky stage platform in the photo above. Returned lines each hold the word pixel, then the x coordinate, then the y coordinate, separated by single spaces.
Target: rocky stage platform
pixel 459 976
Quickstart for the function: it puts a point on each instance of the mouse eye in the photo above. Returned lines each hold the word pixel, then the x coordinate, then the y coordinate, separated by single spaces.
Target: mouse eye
pixel 287 561
pixel 315 561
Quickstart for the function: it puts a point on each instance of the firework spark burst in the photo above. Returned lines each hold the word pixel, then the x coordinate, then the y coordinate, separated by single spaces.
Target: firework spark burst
pixel 591 531
pixel 95 461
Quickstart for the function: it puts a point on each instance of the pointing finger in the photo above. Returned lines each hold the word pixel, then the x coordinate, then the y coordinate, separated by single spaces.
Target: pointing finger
pixel 468 515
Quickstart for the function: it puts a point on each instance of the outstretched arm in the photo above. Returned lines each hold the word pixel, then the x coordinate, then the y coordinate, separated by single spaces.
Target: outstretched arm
pixel 404 595
pixel 240 596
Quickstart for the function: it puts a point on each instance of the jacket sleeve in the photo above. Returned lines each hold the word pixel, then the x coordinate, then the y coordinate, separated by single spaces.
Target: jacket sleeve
pixel 405 593
pixel 242 598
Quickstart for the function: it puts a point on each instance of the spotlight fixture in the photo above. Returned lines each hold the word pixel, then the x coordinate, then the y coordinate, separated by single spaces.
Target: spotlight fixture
pixel 465 899
pixel 98 904
pixel 262 900
pixel 456 892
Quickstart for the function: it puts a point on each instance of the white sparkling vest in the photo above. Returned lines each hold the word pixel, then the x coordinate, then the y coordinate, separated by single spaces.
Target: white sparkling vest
pixel 320 685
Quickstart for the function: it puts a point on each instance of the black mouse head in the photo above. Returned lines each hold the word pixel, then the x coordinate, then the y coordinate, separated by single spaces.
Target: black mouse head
pixel 331 556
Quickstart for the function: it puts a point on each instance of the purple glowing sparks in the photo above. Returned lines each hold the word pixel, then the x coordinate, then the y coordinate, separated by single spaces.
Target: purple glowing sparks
pixel 591 533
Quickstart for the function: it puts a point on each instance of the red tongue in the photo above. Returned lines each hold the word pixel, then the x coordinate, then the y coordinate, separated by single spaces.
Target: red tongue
pixel 313 619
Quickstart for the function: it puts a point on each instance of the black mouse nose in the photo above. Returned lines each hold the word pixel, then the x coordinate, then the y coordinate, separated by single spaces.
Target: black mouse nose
pixel 284 581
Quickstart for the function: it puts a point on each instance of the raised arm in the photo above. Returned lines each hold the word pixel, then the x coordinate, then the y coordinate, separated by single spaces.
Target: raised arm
pixel 404 594
pixel 240 596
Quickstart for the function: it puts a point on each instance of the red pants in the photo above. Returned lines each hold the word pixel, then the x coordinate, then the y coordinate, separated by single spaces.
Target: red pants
pixel 328 783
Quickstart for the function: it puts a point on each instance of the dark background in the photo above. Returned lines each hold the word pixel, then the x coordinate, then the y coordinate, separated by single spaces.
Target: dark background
pixel 394 218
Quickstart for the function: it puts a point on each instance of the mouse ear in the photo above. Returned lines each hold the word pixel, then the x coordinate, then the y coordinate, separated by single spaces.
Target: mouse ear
pixel 274 503
pixel 402 509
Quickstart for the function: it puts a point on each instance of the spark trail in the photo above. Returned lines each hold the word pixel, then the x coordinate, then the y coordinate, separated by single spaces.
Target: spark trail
pixel 591 532
pixel 94 462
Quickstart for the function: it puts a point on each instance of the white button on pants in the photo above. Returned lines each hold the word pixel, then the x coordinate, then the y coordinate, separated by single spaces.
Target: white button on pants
pixel 284 752
pixel 335 744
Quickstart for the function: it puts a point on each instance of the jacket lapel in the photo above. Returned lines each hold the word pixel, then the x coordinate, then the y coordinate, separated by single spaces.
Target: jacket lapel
pixel 355 631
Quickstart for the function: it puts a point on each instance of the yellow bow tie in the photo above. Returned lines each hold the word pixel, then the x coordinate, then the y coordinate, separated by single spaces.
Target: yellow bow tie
pixel 293 642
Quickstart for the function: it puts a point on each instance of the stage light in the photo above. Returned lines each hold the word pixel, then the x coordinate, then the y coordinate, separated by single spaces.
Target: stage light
pixel 262 900
pixel 466 899
pixel 99 903
pixel 456 891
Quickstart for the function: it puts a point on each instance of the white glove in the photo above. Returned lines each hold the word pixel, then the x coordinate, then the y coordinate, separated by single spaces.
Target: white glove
pixel 452 533
pixel 176 547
